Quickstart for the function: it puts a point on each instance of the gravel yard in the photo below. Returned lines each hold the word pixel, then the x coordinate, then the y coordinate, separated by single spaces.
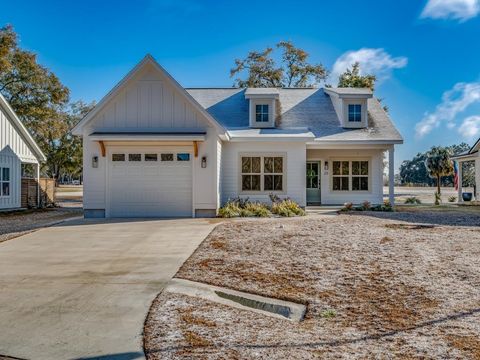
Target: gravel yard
pixel 374 288
pixel 14 224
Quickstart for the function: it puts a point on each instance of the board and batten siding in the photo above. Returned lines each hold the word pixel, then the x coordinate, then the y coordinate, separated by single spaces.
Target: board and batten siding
pixel 294 170
pixel 147 102
pixel 9 136
pixel 10 160
pixel 329 197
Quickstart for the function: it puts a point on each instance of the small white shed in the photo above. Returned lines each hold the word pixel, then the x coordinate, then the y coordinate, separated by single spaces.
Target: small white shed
pixel 17 147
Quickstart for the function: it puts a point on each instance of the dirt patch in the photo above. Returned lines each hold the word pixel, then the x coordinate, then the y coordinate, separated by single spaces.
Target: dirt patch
pixel 371 290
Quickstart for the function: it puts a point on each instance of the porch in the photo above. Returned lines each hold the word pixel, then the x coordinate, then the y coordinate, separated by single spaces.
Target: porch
pixel 460 160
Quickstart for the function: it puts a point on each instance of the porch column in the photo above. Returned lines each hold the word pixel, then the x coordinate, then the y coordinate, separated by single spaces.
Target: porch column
pixel 391 175
pixel 37 178
pixel 460 181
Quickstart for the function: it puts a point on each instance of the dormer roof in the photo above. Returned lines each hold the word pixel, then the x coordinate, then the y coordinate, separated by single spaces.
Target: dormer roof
pixel 263 93
pixel 350 93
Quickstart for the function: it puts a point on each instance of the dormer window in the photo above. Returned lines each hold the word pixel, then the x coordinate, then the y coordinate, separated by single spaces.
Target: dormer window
pixel 261 113
pixel 354 112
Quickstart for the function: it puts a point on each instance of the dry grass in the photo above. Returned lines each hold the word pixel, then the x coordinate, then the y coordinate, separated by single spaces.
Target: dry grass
pixel 374 288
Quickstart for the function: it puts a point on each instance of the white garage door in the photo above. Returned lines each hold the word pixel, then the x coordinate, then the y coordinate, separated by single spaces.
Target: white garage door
pixel 152 182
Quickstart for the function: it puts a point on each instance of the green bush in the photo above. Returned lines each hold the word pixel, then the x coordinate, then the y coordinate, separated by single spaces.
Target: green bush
pixel 413 200
pixel 243 208
pixel 452 199
pixel 287 208
pixel 229 210
pixel 258 209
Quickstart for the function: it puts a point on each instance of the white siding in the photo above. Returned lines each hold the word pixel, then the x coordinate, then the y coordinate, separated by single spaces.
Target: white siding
pixel 10 136
pixel 477 177
pixel 329 197
pixel 9 160
pixel 295 168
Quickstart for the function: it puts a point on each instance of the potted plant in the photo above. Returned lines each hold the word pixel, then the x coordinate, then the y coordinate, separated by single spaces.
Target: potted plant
pixel 467 196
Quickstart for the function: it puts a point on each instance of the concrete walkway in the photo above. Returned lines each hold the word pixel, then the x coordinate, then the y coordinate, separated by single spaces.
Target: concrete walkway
pixel 82 289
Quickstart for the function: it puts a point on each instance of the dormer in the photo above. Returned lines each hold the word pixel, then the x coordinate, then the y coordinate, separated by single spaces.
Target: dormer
pixel 351 106
pixel 262 105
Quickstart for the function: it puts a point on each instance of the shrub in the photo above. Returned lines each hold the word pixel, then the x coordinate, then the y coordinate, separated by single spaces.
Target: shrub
pixel 258 209
pixel 413 200
pixel 243 208
pixel 348 206
pixel 452 199
pixel 287 208
pixel 229 210
pixel 387 206
pixel 366 205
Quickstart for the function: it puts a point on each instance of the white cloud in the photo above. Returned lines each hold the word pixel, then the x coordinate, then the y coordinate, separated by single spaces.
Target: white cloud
pixel 470 127
pixel 451 9
pixel 453 102
pixel 372 61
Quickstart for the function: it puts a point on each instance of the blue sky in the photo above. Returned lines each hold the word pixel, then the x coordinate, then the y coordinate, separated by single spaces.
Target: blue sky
pixel 426 53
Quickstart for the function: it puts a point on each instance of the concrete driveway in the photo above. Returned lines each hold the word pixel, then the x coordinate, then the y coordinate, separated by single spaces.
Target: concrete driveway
pixel 82 289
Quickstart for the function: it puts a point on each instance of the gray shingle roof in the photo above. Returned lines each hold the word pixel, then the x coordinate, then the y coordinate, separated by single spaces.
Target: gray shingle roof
pixel 299 108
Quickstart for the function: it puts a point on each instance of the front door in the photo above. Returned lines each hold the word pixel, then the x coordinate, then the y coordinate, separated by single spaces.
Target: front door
pixel 313 183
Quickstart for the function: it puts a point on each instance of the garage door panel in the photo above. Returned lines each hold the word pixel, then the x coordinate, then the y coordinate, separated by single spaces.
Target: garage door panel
pixel 150 189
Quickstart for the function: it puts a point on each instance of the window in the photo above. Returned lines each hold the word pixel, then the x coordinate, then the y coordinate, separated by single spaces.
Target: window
pixel 355 112
pixel 5 181
pixel 166 157
pixel 151 157
pixel 350 175
pixel 360 175
pixel 183 157
pixel 273 173
pixel 340 173
pixel 261 113
pixel 134 157
pixel 118 157
pixel 262 173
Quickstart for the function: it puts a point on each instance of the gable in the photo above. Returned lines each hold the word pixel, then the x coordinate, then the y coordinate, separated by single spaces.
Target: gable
pixel 14 135
pixel 147 99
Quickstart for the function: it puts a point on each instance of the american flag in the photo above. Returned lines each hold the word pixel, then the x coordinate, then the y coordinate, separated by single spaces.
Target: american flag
pixel 455 178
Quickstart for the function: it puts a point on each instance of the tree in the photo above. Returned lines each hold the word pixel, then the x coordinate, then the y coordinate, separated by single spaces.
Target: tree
pixel 262 70
pixel 352 78
pixel 33 91
pixel 438 164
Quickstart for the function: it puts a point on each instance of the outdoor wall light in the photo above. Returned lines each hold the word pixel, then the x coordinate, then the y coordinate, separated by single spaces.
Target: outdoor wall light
pixel 95 161
pixel 204 162
pixel 325 167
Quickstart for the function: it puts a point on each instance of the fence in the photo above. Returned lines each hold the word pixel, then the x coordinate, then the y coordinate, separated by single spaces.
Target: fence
pixel 29 193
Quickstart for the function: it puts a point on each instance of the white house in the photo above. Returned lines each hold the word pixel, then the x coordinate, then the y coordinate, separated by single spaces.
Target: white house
pixel 17 147
pixel 473 154
pixel 153 148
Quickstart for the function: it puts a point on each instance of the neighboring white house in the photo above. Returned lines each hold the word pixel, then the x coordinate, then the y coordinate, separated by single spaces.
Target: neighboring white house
pixel 473 154
pixel 153 148
pixel 16 147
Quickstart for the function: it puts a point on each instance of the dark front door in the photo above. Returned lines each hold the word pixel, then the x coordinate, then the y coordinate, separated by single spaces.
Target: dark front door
pixel 313 183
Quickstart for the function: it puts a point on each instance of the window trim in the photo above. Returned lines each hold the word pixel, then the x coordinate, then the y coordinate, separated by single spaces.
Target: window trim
pixel 262 173
pixel 350 176
pixel 9 182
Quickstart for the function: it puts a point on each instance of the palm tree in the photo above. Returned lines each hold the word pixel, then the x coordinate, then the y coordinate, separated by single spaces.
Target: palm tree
pixel 438 164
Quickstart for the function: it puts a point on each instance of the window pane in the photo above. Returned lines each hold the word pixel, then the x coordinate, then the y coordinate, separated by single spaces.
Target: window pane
pixel 336 168
pixel 364 167
pixel 134 157
pixel 345 170
pixel 150 157
pixel 268 164
pixel 278 165
pixel 118 157
pixel 258 109
pixel 256 165
pixel 268 182
pixel 355 168
pixel 364 183
pixel 246 165
pixel 278 182
pixel 6 189
pixel 264 117
pixel 355 183
pixel 183 157
pixel 345 183
pixel 256 182
pixel 246 182
pixel 258 117
pixel 336 183
pixel 166 157
pixel 6 174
